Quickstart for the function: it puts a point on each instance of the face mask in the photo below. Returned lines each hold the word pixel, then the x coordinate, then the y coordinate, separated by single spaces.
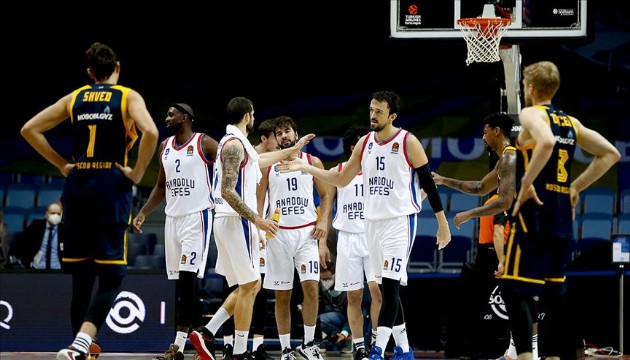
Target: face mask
pixel 174 128
pixel 54 219
pixel 328 283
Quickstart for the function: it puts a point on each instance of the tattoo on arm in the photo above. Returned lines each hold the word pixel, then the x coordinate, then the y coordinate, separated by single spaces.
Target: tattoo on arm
pixel 232 157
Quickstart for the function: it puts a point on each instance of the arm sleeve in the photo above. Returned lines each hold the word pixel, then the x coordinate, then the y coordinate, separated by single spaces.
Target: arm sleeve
pixel 428 185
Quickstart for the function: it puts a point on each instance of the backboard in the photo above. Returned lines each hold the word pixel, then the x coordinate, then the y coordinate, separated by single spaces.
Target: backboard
pixel 530 19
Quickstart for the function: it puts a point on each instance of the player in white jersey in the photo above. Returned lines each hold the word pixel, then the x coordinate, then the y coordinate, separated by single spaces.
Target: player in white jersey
pixel 184 181
pixel 392 161
pixel 353 260
pixel 300 243
pixel 236 174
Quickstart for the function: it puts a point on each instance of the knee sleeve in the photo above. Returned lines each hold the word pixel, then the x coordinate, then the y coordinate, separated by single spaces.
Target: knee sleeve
pixel 391 303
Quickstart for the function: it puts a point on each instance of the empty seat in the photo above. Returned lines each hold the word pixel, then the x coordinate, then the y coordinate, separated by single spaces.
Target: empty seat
pixel 149 262
pixel 14 217
pixel 22 195
pixel 596 226
pixel 158 249
pixel 2 191
pixel 623 224
pixel 147 239
pixel 598 200
pixel 423 256
pixel 35 213
pixel 466 229
pixel 134 250
pixel 34 179
pixel 624 202
pixel 455 254
pixel 49 194
pixel 460 202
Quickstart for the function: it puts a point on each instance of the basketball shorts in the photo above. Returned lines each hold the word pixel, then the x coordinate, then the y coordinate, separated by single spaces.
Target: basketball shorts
pixel 97 212
pixel 186 243
pixel 238 258
pixel 353 261
pixel 389 243
pixel 291 249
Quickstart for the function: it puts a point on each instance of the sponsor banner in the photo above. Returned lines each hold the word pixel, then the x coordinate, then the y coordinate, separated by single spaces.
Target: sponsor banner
pixel 142 318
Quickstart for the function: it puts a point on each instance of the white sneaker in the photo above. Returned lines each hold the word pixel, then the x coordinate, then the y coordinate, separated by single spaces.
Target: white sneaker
pixel 310 351
pixel 70 353
pixel 288 354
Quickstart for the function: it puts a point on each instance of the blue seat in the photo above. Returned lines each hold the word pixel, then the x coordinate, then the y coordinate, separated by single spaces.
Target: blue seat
pixel 624 202
pixel 33 179
pixel 148 239
pixel 598 200
pixel 455 254
pixel 466 229
pixel 22 195
pixel 2 192
pixel 460 202
pixel 134 250
pixel 35 213
pixel 158 249
pixel 15 218
pixel 423 256
pixel 596 226
pixel 149 262
pixel 623 224
pixel 49 194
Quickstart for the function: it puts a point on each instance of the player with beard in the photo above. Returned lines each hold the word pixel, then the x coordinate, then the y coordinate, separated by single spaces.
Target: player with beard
pixel 236 175
pixel 393 163
pixel 300 242
pixel 184 181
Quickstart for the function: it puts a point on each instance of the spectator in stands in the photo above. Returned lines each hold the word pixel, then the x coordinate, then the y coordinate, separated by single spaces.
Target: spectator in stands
pixel 333 309
pixel 38 247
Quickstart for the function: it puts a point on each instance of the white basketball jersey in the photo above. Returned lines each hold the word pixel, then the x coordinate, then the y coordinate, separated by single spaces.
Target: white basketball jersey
pixel 292 193
pixel 245 185
pixel 188 186
pixel 349 214
pixel 390 182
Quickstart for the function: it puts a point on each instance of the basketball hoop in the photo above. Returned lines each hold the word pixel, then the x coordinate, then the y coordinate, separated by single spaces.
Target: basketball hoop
pixel 483 36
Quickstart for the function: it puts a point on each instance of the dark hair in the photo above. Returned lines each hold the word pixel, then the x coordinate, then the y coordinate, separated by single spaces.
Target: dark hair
pixel 267 128
pixel 351 136
pixel 184 109
pixel 237 108
pixel 392 99
pixel 284 121
pixel 500 120
pixel 101 60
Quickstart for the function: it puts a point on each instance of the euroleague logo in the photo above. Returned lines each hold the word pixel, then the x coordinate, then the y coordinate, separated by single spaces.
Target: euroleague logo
pixel 413 9
pixel 127 313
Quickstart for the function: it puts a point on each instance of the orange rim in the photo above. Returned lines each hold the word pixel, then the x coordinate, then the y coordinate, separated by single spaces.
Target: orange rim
pixel 483 22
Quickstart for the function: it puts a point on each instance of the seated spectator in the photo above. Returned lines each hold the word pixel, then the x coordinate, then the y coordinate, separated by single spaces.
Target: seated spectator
pixel 333 312
pixel 38 247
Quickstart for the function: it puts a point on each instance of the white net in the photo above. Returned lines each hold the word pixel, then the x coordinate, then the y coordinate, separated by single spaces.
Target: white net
pixel 483 36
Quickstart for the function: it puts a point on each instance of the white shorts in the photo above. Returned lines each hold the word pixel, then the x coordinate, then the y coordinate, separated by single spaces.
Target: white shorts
pixel 353 261
pixel 389 243
pixel 291 249
pixel 237 247
pixel 186 243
